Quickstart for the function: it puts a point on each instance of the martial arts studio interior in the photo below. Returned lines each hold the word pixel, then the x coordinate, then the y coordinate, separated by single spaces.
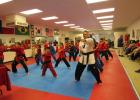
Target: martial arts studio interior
pixel 69 50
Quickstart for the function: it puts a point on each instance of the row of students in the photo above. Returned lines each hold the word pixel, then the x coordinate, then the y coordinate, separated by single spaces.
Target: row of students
pixel 46 62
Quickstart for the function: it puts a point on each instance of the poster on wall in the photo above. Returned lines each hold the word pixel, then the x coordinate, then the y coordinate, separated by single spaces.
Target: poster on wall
pixel 0 41
pixel 38 31
pixel 32 30
pixel 21 30
pixel 12 40
pixel 133 35
pixel 0 26
pixel 56 31
pixel 49 32
pixel 127 37
pixel 138 34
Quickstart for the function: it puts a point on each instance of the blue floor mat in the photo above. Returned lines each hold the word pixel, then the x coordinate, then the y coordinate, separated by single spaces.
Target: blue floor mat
pixel 65 84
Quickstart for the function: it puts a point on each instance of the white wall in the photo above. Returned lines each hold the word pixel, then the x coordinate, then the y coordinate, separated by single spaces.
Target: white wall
pixel 18 38
pixel 136 27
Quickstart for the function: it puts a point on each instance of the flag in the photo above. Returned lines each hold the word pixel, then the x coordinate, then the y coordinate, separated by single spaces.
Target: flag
pixel 22 30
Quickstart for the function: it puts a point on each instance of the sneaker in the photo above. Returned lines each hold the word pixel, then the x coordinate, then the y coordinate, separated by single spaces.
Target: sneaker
pixel 27 74
pixel 69 67
pixel 137 71
pixel 55 76
pixel 76 80
pixel 55 66
pixel 99 82
pixel 101 70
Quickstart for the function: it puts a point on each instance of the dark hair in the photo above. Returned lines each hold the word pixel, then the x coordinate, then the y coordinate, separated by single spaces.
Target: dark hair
pixel 39 46
pixel 101 38
pixel 86 31
pixel 61 43
pixel 18 43
pixel 47 48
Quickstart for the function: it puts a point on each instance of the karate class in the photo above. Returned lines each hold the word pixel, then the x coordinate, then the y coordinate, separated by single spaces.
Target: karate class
pixel 69 50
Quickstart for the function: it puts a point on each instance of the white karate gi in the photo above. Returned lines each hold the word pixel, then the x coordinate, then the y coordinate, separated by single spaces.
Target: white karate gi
pixel 86 48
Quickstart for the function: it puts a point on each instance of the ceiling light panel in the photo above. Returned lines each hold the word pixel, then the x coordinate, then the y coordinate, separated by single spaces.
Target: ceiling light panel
pixel 106 21
pixel 50 18
pixel 61 22
pixel 94 1
pixel 69 25
pixel 107 24
pixel 107 28
pixel 32 11
pixel 105 17
pixel 5 1
pixel 75 27
pixel 103 10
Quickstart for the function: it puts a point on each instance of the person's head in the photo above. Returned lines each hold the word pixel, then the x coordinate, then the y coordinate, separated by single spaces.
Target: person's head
pixel 61 44
pixel 101 39
pixel 137 41
pixel 121 36
pixel 85 34
pixel 1 44
pixel 18 44
pixel 39 46
pixel 47 49
pixel 50 43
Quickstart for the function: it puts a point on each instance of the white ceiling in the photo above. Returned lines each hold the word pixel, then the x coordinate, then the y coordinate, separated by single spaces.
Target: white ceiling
pixel 75 11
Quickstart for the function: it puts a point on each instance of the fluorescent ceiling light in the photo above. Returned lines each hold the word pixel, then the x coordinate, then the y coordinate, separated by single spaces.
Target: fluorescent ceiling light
pixel 80 28
pixel 94 1
pixel 61 22
pixel 69 25
pixel 107 24
pixel 32 11
pixel 75 27
pixel 106 21
pixel 103 10
pixel 4 1
pixel 105 17
pixel 49 18
pixel 107 28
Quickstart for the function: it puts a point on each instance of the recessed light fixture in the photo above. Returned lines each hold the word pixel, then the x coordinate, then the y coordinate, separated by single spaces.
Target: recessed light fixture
pixel 107 24
pixel 49 18
pixel 103 10
pixel 75 27
pixel 69 25
pixel 94 1
pixel 61 22
pixel 81 29
pixel 32 11
pixel 107 28
pixel 4 1
pixel 105 17
pixel 106 21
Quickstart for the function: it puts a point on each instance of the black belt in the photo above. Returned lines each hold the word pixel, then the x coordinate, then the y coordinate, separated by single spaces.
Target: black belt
pixel 46 62
pixel 88 53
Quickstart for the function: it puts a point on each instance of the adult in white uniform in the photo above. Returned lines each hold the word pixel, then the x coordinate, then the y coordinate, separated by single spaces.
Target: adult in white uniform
pixel 87 58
